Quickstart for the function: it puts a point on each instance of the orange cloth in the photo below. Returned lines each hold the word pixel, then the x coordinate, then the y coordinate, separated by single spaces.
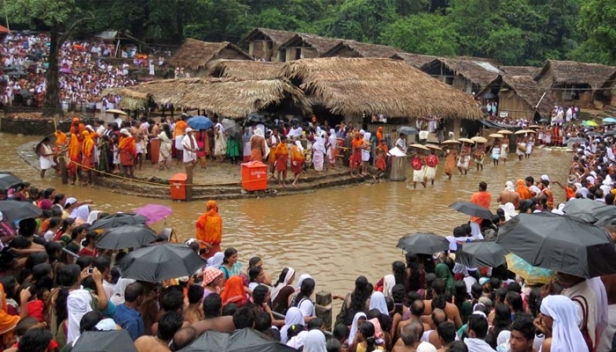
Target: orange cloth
pixel 256 155
pixel 74 152
pixel 548 193
pixel 234 291
pixel 381 163
pixel 61 139
pixel 569 193
pixel 209 224
pixel 483 199
pixel 383 146
pixel 128 150
pixel 523 190
pixel 180 128
pixel 282 155
pixel 379 134
pixel 88 150
pixel 7 321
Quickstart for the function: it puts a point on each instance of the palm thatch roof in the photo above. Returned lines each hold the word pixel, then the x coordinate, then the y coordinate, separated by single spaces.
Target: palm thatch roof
pixel 230 98
pixel 557 73
pixel 320 44
pixel 521 70
pixel 354 86
pixel 195 54
pixel 362 49
pixel 244 69
pixel 531 92
pixel 276 36
pixel 481 72
pixel 415 60
pixel 131 100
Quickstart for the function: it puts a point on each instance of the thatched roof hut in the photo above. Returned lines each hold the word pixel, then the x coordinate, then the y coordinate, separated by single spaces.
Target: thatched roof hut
pixel 244 69
pixel 473 74
pixel 521 97
pixel 263 43
pixel 230 98
pixel 355 86
pixel 351 48
pixel 531 71
pixel 415 60
pixel 194 54
pixel 306 46
pixel 570 73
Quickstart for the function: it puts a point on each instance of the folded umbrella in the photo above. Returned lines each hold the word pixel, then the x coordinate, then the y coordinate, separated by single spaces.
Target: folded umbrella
pixel 158 262
pixel 472 209
pixel 407 130
pixel 13 210
pixel 118 220
pixel 531 274
pixel 104 341
pixel 154 212
pixel 8 180
pixel 560 243
pixel 200 123
pixel 423 243
pixel 130 236
pixel 479 254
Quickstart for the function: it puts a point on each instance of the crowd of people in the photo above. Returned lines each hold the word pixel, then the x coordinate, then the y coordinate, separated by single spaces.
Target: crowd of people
pixel 430 302
pixel 86 71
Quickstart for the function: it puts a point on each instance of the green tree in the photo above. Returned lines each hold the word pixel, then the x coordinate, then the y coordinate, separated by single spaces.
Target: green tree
pixel 62 17
pixel 597 25
pixel 363 20
pixel 219 20
pixel 425 33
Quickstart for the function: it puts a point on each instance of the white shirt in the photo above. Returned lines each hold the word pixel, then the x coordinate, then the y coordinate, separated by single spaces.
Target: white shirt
pixel 307 308
pixel 189 156
pixel 401 144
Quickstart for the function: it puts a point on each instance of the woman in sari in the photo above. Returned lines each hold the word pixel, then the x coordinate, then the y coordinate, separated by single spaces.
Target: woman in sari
pixel 230 266
pixel 7 322
pixel 233 149
pixel 282 155
pixel 282 290
pixel 234 292
pixel 209 229
pixel 127 152
pixel 332 151
pixel 212 278
pixel 165 149
pixel 297 161
pixel 220 142
pixel 202 144
pixel 356 145
pixel 318 153
pixel 442 272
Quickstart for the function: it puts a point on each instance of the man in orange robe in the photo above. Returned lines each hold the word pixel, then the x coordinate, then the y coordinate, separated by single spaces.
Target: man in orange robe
pixel 127 150
pixel 282 155
pixel 483 198
pixel 209 229
pixel 87 152
pixel 355 161
pixel 74 151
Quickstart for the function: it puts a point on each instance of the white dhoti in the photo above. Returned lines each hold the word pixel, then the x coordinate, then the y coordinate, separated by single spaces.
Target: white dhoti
pixel 430 173
pixel 419 175
pixel 46 162
pixel 504 151
pixel 529 148
pixel 463 162
pixel 521 149
pixel 178 142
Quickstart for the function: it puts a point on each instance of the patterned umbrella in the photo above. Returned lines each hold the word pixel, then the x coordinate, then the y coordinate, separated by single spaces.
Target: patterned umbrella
pixel 531 274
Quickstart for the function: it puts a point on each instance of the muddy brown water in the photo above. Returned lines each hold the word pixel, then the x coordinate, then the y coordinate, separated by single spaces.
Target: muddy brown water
pixel 333 234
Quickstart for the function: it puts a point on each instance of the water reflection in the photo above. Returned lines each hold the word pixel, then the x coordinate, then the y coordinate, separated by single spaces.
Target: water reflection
pixel 334 234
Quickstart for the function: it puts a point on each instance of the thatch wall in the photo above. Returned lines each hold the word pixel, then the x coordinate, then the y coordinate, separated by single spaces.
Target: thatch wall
pixel 244 69
pixel 194 54
pixel 354 86
pixel 226 97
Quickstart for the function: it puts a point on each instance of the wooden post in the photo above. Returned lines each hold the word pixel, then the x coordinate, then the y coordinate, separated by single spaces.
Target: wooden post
pixel 189 181
pixel 63 170
pixel 323 308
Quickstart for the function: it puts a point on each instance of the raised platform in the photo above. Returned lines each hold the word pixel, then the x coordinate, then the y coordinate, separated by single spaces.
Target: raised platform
pixel 217 181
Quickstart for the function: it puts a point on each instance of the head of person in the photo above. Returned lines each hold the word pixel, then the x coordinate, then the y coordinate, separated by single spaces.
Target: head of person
pixel 195 294
pixel 244 318
pixel 35 340
pixel 446 333
pixel 256 274
pixel 172 299
pixel 417 308
pixel 438 316
pixel 229 309
pixel 230 256
pixel 260 295
pixel 212 306
pixel 483 186
pixel 522 335
pixel 411 334
pixel 169 324
pixel 477 326
pixel 529 181
pixel 307 287
pixel 184 337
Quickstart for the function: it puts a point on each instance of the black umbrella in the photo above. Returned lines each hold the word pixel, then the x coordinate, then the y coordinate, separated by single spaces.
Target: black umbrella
pixel 472 209
pixel 231 127
pixel 560 243
pixel 584 209
pixel 8 180
pixel 423 243
pixel 104 341
pixel 130 236
pixel 407 130
pixel 255 118
pixel 481 254
pixel 118 220
pixel 249 340
pixel 14 210
pixel 209 341
pixel 159 262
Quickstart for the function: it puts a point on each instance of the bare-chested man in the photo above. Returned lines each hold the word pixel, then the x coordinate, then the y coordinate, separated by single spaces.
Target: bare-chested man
pixel 169 324
pixel 257 145
pixel 509 195
pixel 272 142
pixel 410 337
pixel 139 135
pixel 453 314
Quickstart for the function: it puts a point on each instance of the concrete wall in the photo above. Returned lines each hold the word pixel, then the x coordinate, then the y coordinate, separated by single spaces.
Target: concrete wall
pixel 35 126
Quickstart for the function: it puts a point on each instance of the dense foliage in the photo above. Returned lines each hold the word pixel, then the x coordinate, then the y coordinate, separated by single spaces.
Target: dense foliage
pixel 515 32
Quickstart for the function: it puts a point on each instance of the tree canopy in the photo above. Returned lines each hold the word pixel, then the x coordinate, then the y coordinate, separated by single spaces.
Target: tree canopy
pixel 514 32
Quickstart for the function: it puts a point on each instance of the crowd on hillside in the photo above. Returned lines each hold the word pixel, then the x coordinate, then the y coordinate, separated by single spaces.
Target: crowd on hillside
pixel 87 68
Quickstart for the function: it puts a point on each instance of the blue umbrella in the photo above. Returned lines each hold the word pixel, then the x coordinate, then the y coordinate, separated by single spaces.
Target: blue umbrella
pixel 200 123
pixel 609 121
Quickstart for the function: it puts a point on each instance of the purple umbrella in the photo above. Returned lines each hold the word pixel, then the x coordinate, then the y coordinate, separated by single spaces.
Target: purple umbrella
pixel 65 70
pixel 153 212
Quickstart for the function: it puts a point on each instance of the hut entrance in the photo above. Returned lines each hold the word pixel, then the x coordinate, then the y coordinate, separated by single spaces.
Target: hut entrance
pixel 323 114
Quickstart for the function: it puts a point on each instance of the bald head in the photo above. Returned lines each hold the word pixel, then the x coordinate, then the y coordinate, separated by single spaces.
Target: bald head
pixel 438 316
pixel 411 334
pixel 417 308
